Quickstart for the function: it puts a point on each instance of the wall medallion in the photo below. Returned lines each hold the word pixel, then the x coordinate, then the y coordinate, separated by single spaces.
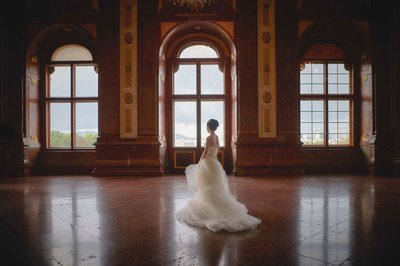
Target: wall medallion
pixel 128 37
pixel 266 37
pixel 128 98
pixel 267 97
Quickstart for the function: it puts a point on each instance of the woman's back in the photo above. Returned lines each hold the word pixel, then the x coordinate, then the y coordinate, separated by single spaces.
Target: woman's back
pixel 213 146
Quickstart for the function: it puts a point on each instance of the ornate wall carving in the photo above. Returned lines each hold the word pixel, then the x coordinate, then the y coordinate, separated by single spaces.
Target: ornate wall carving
pixel 266 69
pixel 128 69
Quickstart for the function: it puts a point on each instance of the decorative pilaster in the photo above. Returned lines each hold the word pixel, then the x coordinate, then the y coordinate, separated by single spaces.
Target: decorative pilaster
pixel 268 142
pixel 266 69
pixel 128 69
pixel 128 143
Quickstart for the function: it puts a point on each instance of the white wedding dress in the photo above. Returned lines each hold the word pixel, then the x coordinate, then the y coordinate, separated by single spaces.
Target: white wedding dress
pixel 212 205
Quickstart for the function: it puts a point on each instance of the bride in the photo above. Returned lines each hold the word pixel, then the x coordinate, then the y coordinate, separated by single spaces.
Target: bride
pixel 213 206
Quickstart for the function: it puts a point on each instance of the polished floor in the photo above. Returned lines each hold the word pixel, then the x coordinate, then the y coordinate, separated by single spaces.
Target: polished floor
pixel 308 220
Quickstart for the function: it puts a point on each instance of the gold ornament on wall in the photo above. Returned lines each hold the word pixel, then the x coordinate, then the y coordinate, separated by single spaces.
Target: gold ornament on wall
pixel 35 59
pixel 194 5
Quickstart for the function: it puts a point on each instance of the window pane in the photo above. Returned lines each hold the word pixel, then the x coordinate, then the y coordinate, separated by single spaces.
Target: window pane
pixel 317 79
pixel 341 68
pixel 312 122
pixel 317 68
pixel 344 128
pixel 317 88
pixel 332 79
pixel 305 88
pixel 332 105
pixel 305 78
pixel 212 80
pixel 60 81
pixel 318 139
pixel 344 105
pixel 306 127
pixel 339 122
pixel 60 125
pixel 333 128
pixel 86 81
pixel 332 68
pixel 185 80
pixel 332 88
pixel 344 139
pixel 72 52
pixel 318 105
pixel 318 128
pixel 343 117
pixel 198 51
pixel 305 105
pixel 86 124
pixel 305 117
pixel 312 79
pixel 306 69
pixel 332 117
pixel 185 132
pixel 343 89
pixel 333 139
pixel 343 78
pixel 214 110
pixel 306 139
pixel 318 116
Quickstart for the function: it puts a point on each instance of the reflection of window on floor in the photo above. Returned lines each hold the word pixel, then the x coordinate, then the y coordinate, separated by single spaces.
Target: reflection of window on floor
pixel 326 102
pixel 72 99
pixel 75 228
pixel 198 95
pixel 325 226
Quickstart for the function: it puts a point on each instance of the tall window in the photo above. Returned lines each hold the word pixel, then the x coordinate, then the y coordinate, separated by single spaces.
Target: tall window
pixel 198 95
pixel 326 104
pixel 71 99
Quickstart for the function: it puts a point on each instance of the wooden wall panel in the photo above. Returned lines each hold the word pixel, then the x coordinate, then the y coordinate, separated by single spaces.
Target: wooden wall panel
pixel 256 155
pixel 137 153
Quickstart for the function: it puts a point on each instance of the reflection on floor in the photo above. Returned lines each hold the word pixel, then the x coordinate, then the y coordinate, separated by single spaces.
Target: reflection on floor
pixel 308 220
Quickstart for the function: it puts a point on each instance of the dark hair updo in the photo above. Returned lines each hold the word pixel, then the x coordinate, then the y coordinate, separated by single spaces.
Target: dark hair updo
pixel 212 124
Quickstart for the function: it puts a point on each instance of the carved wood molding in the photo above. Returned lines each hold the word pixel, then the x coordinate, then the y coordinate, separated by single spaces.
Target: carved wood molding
pixel 266 69
pixel 128 69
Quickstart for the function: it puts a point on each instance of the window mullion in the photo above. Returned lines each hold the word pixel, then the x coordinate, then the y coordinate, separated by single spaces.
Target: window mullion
pixel 326 113
pixel 198 102
pixel 72 106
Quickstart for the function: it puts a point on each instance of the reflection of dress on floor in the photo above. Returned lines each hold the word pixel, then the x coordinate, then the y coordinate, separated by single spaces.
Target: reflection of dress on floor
pixel 213 206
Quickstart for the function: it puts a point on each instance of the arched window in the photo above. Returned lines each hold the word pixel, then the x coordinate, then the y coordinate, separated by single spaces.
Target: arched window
pixel 326 99
pixel 198 94
pixel 71 99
